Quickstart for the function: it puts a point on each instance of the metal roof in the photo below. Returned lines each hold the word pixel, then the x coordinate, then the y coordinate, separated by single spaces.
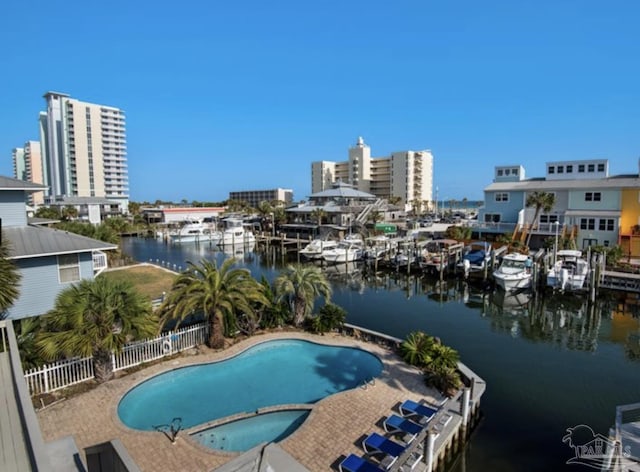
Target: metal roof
pixel 622 181
pixel 32 241
pixel 61 201
pixel 342 190
pixel 7 183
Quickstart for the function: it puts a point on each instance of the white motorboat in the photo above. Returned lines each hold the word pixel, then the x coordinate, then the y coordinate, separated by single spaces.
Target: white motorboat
pixel 314 249
pixel 569 271
pixel 194 231
pixel 235 233
pixel 345 251
pixel 514 272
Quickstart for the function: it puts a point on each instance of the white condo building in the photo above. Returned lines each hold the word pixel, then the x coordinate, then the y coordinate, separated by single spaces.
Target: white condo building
pixel 405 174
pixel 84 150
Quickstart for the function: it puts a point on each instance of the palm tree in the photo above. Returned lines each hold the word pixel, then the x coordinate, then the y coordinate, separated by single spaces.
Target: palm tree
pixel 416 349
pixel 329 318
pixel 9 279
pixel 375 216
pixel 542 201
pixel 276 312
pixel 318 214
pixel 300 285
pixel 442 357
pixel 219 292
pixel 94 318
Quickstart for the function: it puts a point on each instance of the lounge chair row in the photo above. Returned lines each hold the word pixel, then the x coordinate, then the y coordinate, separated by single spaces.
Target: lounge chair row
pixel 414 417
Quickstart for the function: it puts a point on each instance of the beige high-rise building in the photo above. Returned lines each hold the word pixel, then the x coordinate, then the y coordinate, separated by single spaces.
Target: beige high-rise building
pixel 85 150
pixel 406 174
pixel 27 165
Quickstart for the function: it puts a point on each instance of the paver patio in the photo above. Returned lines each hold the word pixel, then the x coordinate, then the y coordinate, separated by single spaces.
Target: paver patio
pixel 334 428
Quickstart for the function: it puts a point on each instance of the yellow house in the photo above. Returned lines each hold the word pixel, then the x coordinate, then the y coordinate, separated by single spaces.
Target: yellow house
pixel 630 221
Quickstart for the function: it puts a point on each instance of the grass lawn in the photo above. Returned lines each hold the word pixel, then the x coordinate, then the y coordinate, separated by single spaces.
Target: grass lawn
pixel 147 279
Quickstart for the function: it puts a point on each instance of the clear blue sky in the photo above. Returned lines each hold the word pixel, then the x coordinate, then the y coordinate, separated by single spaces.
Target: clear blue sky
pixel 239 95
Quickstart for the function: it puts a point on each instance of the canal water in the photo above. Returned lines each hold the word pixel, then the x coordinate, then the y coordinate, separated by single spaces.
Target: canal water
pixel 551 362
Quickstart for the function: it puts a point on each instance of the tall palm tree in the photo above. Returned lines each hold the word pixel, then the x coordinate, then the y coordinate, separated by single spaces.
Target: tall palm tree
pixel 300 285
pixel 219 292
pixel 542 201
pixel 94 318
pixel 9 279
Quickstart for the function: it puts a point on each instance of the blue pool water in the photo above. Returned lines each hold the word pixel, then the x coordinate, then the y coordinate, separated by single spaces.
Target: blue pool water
pixel 271 373
pixel 242 435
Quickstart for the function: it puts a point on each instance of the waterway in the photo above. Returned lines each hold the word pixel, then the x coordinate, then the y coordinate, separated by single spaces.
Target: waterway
pixel 551 362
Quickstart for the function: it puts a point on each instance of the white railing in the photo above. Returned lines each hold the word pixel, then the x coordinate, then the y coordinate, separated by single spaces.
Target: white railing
pixel 166 344
pixel 99 262
pixel 51 377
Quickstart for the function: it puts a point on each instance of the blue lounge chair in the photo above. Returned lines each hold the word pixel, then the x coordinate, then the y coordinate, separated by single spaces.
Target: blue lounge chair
pixel 410 409
pixel 353 463
pixel 395 424
pixel 376 444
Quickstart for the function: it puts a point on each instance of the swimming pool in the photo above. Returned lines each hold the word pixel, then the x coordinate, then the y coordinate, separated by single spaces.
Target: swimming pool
pixel 271 373
pixel 265 427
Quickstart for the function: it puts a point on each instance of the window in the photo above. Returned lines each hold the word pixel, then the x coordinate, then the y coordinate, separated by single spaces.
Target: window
pixel 581 168
pixel 68 268
pixel 591 168
pixel 502 197
pixel 514 171
pixel 548 218
pixel 491 218
pixel 569 169
pixel 592 196
pixel 587 223
pixel 600 167
pixel 499 172
pixel 552 169
pixel 560 169
pixel 606 224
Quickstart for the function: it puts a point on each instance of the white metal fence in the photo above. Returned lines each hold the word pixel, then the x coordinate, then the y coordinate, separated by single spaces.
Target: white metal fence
pixel 51 377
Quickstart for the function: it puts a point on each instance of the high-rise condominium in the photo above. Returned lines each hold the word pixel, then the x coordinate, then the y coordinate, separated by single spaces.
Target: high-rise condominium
pixel 84 150
pixel 27 165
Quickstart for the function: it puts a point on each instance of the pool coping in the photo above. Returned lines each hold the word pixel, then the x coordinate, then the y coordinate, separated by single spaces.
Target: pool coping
pixel 314 444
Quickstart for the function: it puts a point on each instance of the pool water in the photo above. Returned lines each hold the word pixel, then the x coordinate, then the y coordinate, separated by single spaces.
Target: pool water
pixel 242 435
pixel 272 373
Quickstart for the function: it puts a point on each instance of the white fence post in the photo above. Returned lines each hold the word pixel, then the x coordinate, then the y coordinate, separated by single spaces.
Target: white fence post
pixel 51 377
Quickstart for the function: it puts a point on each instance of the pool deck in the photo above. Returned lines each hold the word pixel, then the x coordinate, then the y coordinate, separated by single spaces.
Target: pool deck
pixel 335 427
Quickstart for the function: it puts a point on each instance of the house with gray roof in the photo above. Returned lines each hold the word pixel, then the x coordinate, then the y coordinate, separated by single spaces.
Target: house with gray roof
pixel 342 205
pixel 49 260
pixel 589 203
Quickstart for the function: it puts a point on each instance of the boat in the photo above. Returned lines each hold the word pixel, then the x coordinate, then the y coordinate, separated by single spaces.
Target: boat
pixel 345 251
pixel 569 271
pixel 194 231
pixel 476 257
pixel 313 250
pixel 438 254
pixel 377 247
pixel 235 233
pixel 514 272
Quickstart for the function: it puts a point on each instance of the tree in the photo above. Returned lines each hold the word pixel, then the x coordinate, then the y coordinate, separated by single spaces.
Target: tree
pixel 394 200
pixel 318 214
pixel 219 292
pixel 329 318
pixel 416 349
pixel 94 318
pixel 276 312
pixel 374 216
pixel 300 285
pixel 542 201
pixel 442 357
pixel 49 213
pixel 9 279
pixel 69 212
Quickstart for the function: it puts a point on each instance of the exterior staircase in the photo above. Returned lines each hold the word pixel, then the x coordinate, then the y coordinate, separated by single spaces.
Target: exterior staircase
pixel 364 214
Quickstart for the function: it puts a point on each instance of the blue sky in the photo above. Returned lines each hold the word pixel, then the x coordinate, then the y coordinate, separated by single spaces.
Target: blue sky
pixel 240 95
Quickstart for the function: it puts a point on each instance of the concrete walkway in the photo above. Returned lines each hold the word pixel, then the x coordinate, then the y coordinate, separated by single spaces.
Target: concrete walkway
pixel 334 428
